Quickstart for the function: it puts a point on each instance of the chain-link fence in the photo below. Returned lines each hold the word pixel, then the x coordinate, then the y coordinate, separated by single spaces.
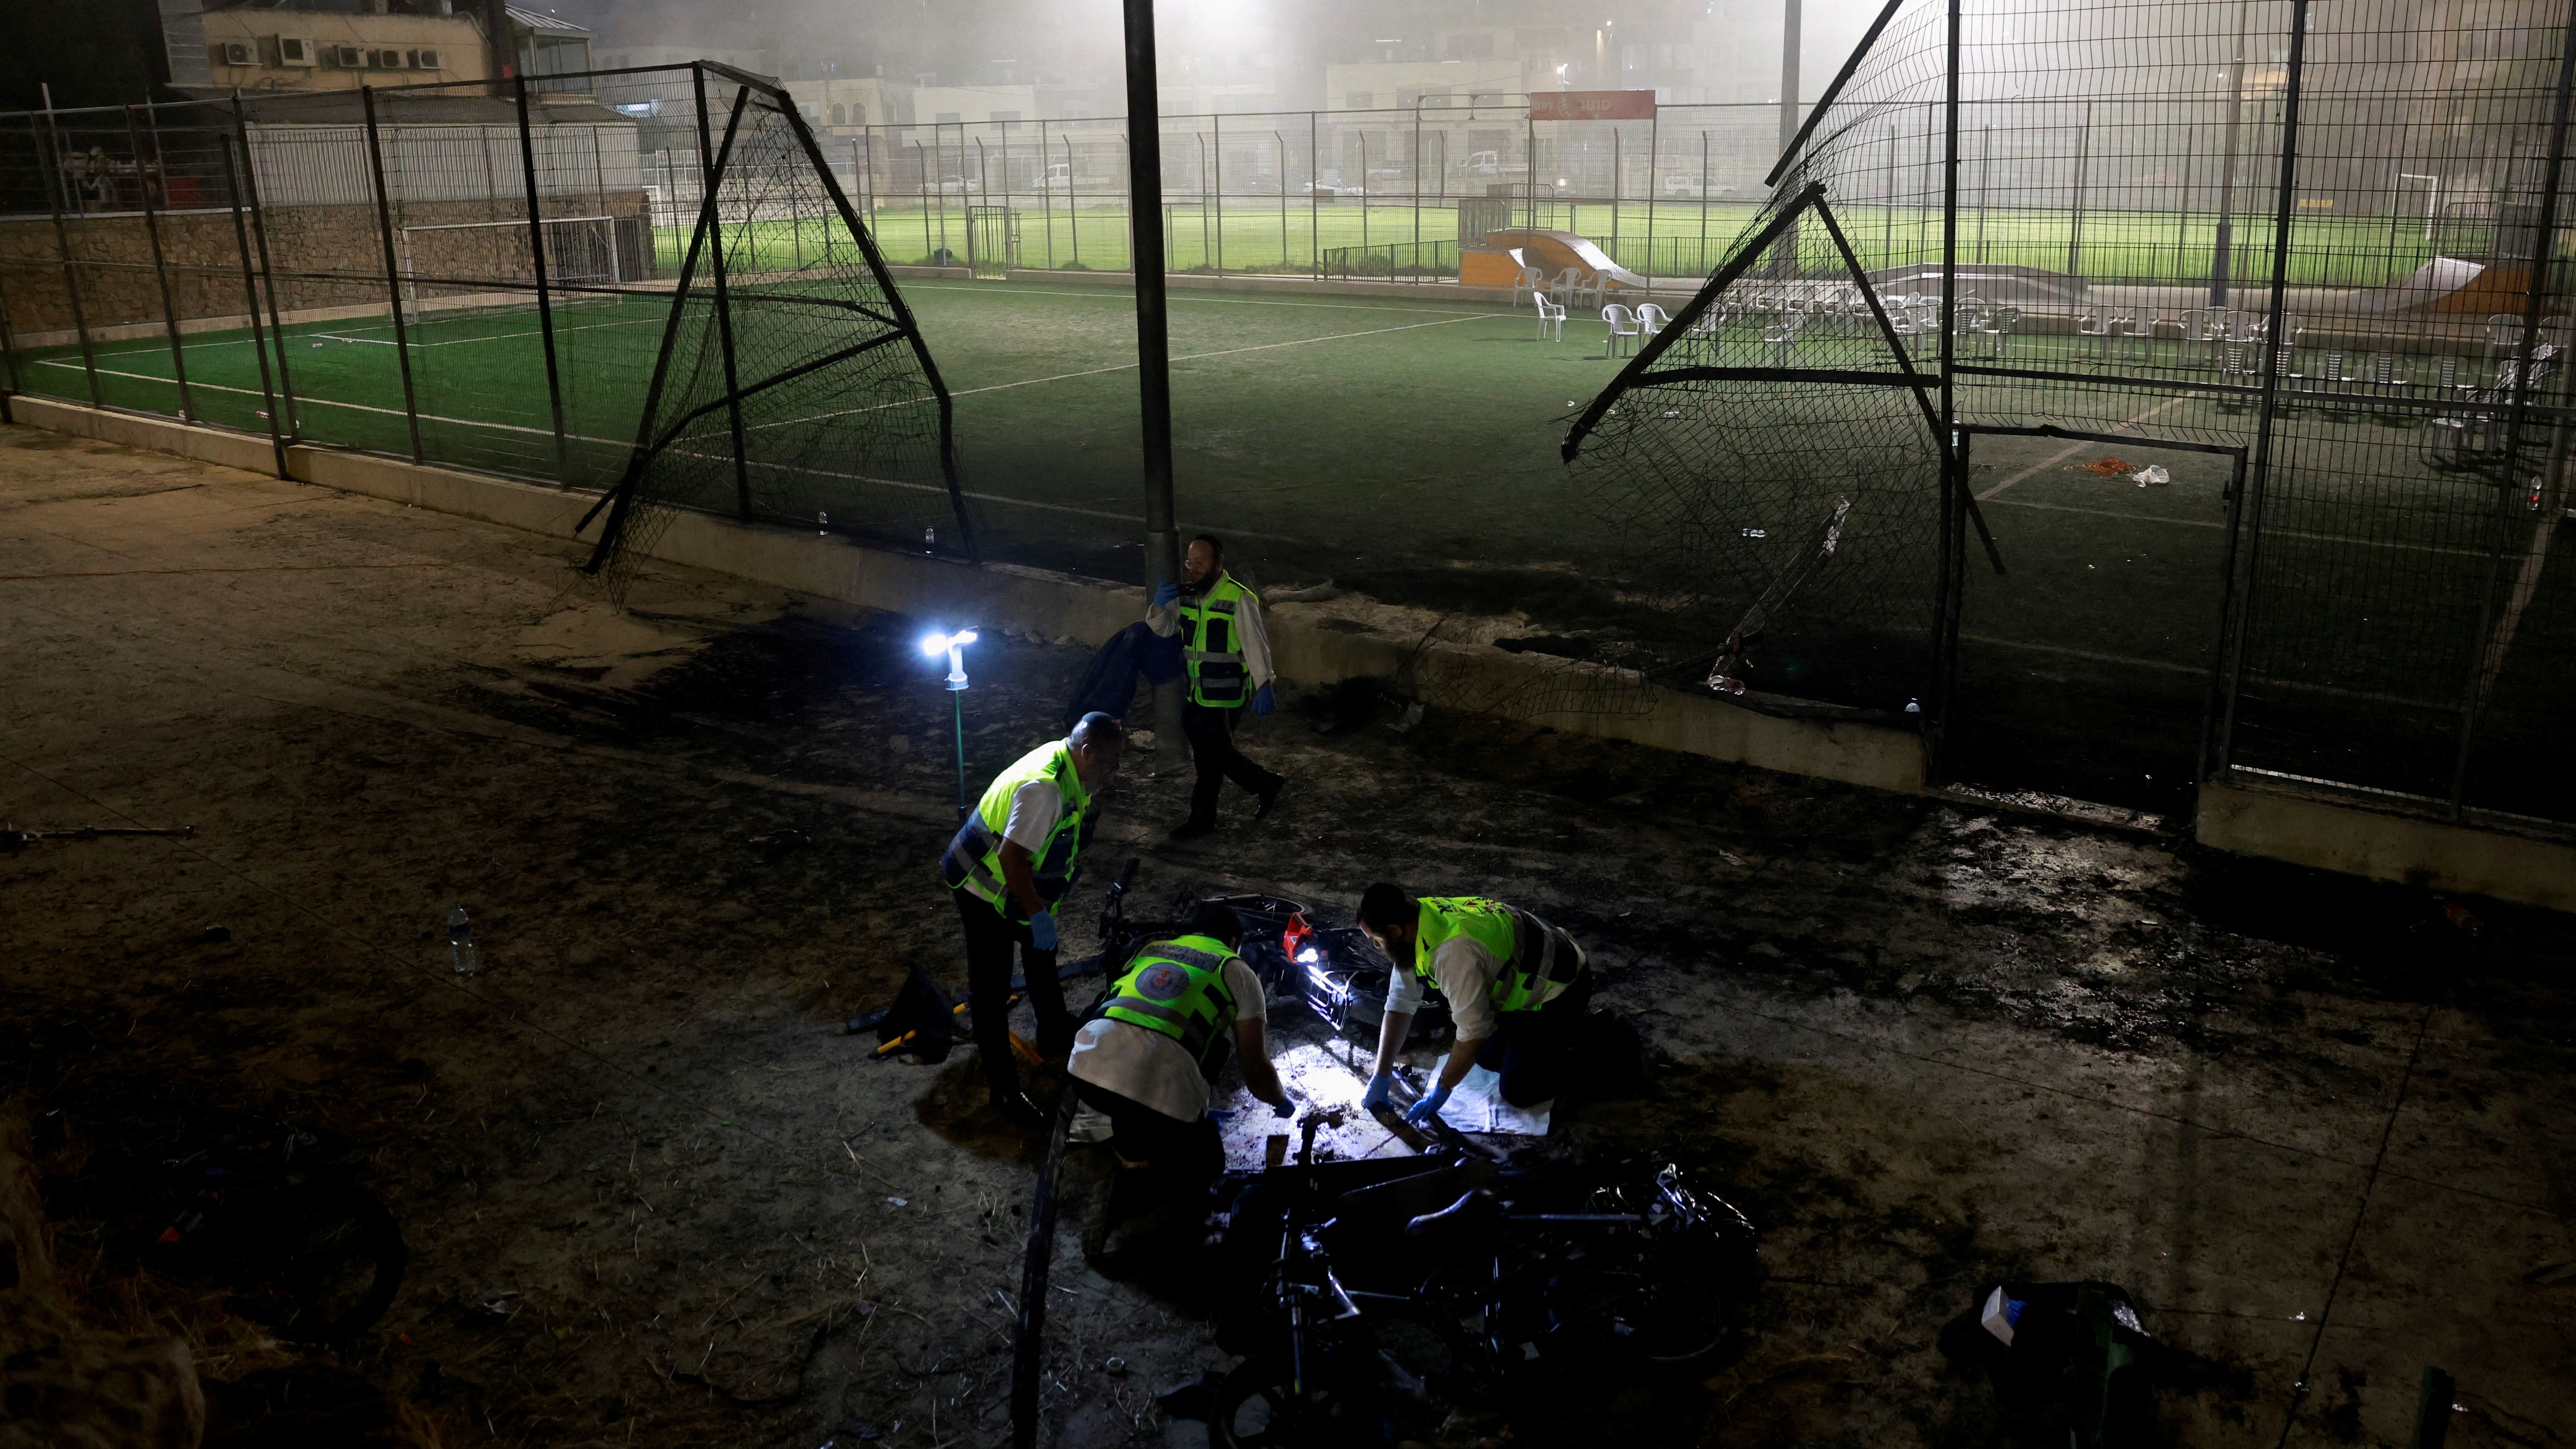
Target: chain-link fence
pixel 485 277
pixel 1315 193
pixel 2316 255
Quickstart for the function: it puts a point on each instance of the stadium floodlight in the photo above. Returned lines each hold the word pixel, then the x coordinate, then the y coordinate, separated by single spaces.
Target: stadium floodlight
pixel 934 644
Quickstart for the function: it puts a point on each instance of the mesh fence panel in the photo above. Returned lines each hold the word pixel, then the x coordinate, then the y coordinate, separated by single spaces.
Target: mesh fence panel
pixel 793 385
pixel 2326 239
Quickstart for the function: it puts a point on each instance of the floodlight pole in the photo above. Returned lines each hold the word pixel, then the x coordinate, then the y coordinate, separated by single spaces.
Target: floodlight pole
pixel 1153 334
pixel 2220 264
pixel 1788 74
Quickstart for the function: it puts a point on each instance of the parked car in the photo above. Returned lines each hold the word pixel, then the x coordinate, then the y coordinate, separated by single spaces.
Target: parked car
pixel 1333 186
pixel 1481 163
pixel 952 186
pixel 1689 186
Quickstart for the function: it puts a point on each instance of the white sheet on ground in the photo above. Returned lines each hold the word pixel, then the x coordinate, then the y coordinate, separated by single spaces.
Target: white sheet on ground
pixel 1477 1105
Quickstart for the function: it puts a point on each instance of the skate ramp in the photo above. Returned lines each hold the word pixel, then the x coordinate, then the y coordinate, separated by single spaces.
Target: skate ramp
pixel 1555 251
pixel 2451 284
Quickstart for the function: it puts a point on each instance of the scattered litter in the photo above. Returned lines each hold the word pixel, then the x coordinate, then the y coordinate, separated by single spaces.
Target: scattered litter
pixel 496 1301
pixel 2151 476
pixel 1116 1368
pixel 900 1202
pixel 1730 857
pixel 1672 412
pixel 2106 465
pixel 1412 717
pixel 1757 533
pixel 460 941
pixel 782 840
pixel 404 1339
pixel 2463 920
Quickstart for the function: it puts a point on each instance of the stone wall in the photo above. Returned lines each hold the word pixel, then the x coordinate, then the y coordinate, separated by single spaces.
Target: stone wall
pixel 325 257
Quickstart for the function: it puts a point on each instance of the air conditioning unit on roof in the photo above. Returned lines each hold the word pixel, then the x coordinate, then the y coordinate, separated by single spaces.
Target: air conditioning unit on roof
pixel 426 59
pixel 386 59
pixel 240 52
pixel 294 50
pixel 349 57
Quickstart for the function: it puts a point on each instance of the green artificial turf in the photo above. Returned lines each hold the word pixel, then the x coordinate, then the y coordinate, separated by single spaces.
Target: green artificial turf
pixel 1407 446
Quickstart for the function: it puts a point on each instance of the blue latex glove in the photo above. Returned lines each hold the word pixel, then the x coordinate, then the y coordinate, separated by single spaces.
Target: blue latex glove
pixel 1429 1107
pixel 1263 701
pixel 1375 1099
pixel 1165 592
pixel 1042 930
pixel 1283 1109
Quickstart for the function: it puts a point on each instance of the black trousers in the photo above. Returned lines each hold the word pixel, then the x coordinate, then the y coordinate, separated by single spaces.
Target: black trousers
pixel 1181 1158
pixel 991 938
pixel 1534 1050
pixel 1211 735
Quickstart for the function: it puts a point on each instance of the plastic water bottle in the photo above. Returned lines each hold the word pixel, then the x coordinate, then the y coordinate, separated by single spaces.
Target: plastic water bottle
pixel 822 523
pixel 930 540
pixel 460 941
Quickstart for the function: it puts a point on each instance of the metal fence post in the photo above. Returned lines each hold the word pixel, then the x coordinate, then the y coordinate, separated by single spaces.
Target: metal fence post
pixel 1216 185
pixel 249 192
pixel 63 248
pixel 2075 221
pixel 1952 579
pixel 9 350
pixel 1282 142
pixel 1314 174
pixel 250 300
pixel 1046 194
pixel 545 306
pixel 1654 193
pixel 2489 660
pixel 2267 411
pixel 393 271
pixel 160 263
pixel 713 221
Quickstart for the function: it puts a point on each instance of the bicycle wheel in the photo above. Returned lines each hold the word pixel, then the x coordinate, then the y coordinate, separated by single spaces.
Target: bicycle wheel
pixel 1257 1409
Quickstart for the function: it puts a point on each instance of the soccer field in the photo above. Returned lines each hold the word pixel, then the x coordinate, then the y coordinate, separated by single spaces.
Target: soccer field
pixel 1319 431
pixel 1407 448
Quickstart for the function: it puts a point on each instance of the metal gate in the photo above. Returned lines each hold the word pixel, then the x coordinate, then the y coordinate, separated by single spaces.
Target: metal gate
pixel 992 240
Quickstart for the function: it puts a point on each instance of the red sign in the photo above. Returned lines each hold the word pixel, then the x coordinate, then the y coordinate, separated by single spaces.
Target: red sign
pixel 1592 106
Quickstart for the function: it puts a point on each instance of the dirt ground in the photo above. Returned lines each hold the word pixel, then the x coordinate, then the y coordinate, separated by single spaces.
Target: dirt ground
pixel 653 1194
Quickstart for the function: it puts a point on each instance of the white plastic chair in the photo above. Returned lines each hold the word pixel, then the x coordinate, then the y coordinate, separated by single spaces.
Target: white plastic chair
pixel 1651 319
pixel 1551 319
pixel 1532 284
pixel 1623 324
pixel 1567 288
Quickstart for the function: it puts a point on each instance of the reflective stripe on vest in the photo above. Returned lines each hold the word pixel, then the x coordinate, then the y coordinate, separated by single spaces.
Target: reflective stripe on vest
pixel 973 860
pixel 1177 988
pixel 1529 954
pixel 1212 646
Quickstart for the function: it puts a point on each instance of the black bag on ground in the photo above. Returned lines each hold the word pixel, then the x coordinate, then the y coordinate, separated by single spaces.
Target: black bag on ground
pixel 925 1011
pixel 2077 1357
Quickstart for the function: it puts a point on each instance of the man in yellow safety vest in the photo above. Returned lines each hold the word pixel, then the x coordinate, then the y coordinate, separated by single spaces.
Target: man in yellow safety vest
pixel 1517 989
pixel 1225 654
pixel 1149 1057
pixel 1008 865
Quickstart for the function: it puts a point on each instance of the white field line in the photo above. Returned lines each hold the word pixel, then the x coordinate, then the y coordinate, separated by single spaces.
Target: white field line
pixel 2069 451
pixel 1123 294
pixel 1130 366
pixel 979 497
